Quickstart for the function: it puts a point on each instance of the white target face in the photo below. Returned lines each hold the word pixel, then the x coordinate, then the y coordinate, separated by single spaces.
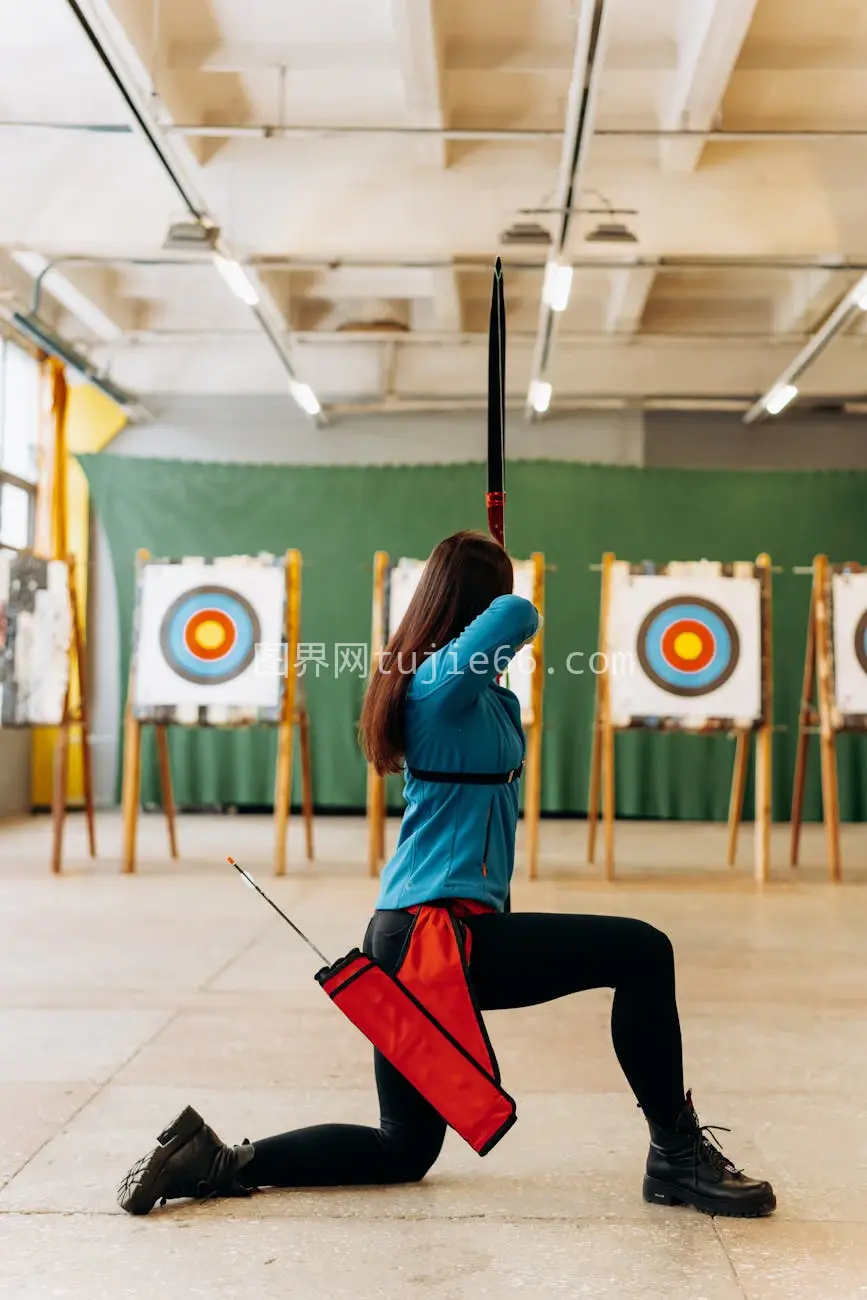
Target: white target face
pixel 687 648
pixel 520 674
pixel 209 637
pixel 403 580
pixel 849 595
pixel 35 634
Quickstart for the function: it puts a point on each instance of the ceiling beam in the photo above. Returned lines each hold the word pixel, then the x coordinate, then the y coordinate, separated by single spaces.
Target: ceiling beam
pixel 710 39
pixel 419 45
pixel 447 298
pixel 808 298
pixel 419 35
pixel 630 289
pixel 123 61
pixel 505 56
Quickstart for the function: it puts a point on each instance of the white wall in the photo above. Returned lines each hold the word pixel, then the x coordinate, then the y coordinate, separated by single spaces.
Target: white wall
pixel 689 440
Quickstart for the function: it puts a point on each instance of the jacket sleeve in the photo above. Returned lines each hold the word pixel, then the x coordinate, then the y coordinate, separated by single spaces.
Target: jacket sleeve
pixel 464 668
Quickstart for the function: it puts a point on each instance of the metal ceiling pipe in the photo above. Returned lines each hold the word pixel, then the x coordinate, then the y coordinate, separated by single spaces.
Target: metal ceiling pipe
pixel 267 130
pixel 265 262
pixel 460 338
pixel 154 134
pixel 853 304
pixel 578 132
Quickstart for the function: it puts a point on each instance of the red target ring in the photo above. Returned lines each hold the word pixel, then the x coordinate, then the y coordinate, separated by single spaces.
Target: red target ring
pixel 688 646
pixel 199 635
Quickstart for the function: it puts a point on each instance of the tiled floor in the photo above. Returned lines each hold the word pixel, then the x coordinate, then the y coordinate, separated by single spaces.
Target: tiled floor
pixel 123 998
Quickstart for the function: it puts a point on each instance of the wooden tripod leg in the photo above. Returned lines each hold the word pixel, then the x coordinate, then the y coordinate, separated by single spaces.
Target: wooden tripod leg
pixel 533 799
pixel 282 794
pixel 597 753
pixel 132 749
pixel 828 736
pixel 533 788
pixel 606 719
pixel 805 720
pixel 131 788
pixel 765 733
pixel 383 819
pixel 306 781
pixel 831 805
pixel 59 792
pixel 83 709
pixel 285 731
pixel 595 781
pixel 375 819
pixel 739 784
pixel 608 793
pixel 166 785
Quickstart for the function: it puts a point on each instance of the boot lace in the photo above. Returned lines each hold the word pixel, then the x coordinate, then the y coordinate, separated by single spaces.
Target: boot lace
pixel 708 1150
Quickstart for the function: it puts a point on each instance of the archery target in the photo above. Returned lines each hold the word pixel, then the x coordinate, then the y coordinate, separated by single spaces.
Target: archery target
pixel 198 629
pixel 403 580
pixel 849 623
pixel 35 636
pixel 209 635
pixel 687 648
pixel 688 645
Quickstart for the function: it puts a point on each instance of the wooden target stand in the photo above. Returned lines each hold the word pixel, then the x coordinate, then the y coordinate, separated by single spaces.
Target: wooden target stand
pixel 819 714
pixel 293 714
pixel 604 731
pixel 73 716
pixel 532 723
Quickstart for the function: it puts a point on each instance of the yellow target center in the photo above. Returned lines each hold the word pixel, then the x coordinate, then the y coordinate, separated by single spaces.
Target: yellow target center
pixel 688 646
pixel 210 635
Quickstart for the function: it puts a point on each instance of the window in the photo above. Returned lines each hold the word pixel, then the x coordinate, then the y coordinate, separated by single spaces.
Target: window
pixel 19 437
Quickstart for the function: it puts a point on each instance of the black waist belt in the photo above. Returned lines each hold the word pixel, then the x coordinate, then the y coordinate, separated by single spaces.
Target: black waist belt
pixel 467 778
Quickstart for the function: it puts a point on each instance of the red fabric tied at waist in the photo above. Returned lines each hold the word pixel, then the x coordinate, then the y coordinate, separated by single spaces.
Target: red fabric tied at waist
pixel 425 1021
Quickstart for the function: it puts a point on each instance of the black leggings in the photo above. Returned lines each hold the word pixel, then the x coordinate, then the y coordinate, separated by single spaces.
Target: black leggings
pixel 518 960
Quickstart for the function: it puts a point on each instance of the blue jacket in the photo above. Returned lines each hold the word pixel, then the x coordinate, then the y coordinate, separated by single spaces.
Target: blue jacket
pixel 458 841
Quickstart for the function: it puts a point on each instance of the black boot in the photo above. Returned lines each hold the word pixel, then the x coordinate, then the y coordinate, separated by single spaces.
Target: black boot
pixel 190 1161
pixel 686 1167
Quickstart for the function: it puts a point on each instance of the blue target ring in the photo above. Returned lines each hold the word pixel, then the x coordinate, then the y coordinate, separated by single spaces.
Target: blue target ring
pixel 861 641
pixel 209 635
pixel 688 646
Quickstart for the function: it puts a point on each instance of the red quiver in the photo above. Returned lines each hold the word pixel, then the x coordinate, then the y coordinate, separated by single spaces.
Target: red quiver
pixel 424 1020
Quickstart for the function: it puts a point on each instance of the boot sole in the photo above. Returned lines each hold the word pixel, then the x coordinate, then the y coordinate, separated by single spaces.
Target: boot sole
pixel 140 1189
pixel 659 1193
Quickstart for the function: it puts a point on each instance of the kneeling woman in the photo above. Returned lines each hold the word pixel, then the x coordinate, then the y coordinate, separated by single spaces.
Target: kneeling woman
pixel 442 711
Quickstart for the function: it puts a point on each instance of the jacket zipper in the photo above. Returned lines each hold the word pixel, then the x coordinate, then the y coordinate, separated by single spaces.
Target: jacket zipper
pixel 487 838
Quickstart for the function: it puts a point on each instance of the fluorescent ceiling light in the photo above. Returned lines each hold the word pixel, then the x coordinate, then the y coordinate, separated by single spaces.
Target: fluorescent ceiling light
pixel 557 286
pixel 305 397
pixel 76 302
pixel 236 278
pixel 540 396
pixel 779 398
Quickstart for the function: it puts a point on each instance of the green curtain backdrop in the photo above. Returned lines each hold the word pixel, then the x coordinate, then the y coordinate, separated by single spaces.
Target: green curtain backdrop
pixel 338 517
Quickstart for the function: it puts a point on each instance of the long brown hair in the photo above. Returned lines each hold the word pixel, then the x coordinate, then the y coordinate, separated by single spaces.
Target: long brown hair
pixel 463 575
